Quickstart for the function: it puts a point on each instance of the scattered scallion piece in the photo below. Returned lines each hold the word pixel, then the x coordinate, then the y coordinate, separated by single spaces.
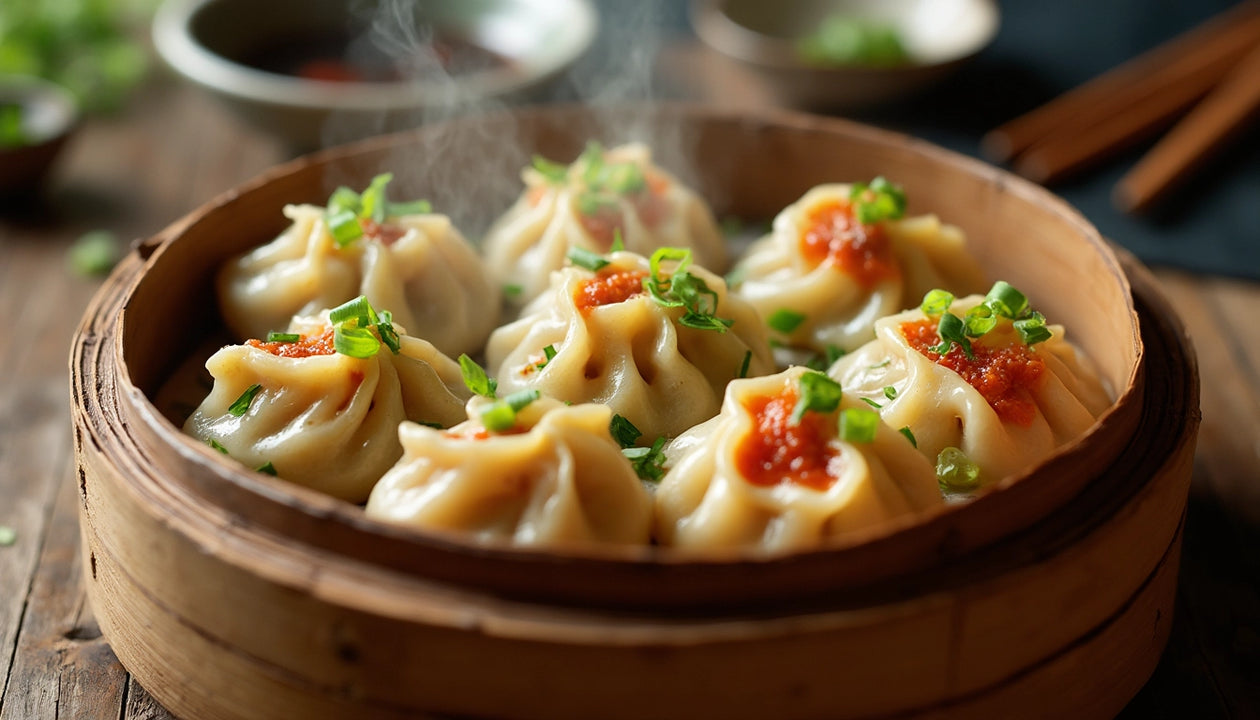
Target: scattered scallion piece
pixel 872 403
pixel 743 366
pixel 501 414
pixel 242 403
pixel 513 290
pixel 8 536
pixel 346 209
pixel 216 445
pixel 624 431
pixel 267 468
pixel 476 379
pixel 385 328
pixel 979 320
pixel 936 302
pixel 414 207
pixel 818 393
pixel 648 463
pixel 352 322
pixel 880 200
pixel 1032 329
pixel 952 329
pixel 1006 300
pixel 94 253
pixel 858 425
pixel 618 244
pixel 682 289
pixel 955 471
pixel 344 226
pixel 909 436
pixel 890 392
pixel 785 321
pixel 549 353
pixel 373 203
pixel 283 337
pixel 553 172
pixel 588 259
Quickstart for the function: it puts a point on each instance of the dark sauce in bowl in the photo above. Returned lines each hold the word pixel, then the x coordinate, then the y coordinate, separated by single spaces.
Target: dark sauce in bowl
pixel 335 57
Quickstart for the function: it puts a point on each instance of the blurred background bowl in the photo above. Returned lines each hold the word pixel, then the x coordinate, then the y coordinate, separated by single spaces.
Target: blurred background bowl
pixel 292 66
pixel 936 35
pixel 38 118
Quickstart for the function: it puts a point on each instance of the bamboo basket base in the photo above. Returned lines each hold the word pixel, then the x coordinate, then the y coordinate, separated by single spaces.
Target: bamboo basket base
pixel 220 618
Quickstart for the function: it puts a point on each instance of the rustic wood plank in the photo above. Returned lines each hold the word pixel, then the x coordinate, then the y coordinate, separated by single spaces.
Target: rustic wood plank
pixel 63 668
pixel 141 705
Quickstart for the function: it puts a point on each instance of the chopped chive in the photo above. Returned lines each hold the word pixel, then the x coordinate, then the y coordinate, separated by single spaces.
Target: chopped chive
pixel 553 172
pixel 878 366
pixel 358 309
pixel 953 330
pixel 743 366
pixel 267 468
pixel 1006 300
pixel 858 425
pixel 648 463
pixel 936 302
pixel 216 445
pixel 955 471
pixel 283 337
pixel 785 321
pixel 549 353
pixel 344 226
pixel 344 199
pixel 475 377
pixel 513 290
pixel 880 200
pixel 588 259
pixel 872 403
pixel 909 436
pixel 618 244
pixel 501 415
pixel 374 204
pixel 389 336
pixel 1032 329
pixel 979 320
pixel 355 342
pixel 415 207
pixel 624 431
pixel 890 392
pixel 818 393
pixel 682 289
pixel 241 405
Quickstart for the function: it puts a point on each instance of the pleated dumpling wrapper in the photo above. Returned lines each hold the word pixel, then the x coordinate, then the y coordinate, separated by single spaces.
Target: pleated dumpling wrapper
pixel 788 464
pixel 321 418
pixel 843 256
pixel 547 475
pixel 603 195
pixel 995 407
pixel 400 256
pixel 655 339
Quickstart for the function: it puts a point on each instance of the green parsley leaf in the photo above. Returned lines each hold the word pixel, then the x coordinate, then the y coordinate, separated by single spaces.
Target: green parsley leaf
pixel 785 321
pixel 955 471
pixel 475 377
pixel 624 431
pixel 588 259
pixel 858 425
pixel 818 393
pixel 241 405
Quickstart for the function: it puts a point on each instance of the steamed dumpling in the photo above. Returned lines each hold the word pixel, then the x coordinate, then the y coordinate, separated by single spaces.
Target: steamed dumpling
pixel 319 418
pixel 751 478
pixel 556 478
pixel 1005 410
pixel 613 343
pixel 600 196
pixel 419 265
pixel 821 278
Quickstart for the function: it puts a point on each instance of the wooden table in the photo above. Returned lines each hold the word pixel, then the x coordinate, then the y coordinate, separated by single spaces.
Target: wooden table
pixel 175 149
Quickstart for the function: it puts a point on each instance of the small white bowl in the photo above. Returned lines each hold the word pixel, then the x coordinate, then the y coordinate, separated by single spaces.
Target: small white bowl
pixel 216 43
pixel 938 36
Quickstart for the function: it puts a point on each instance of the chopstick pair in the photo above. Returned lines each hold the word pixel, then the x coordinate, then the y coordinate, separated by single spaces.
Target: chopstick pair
pixel 1217 63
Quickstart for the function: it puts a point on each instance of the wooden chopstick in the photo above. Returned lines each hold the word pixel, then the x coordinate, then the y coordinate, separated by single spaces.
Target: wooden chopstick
pixel 1212 124
pixel 1201 55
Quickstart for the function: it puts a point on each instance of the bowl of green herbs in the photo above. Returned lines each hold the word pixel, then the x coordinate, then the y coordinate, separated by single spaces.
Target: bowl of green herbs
pixel 846 54
pixel 36 119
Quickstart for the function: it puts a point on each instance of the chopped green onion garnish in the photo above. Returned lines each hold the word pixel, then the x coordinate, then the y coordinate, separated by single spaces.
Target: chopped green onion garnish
pixel 936 302
pixel 648 463
pixel 890 392
pixel 501 415
pixel 1032 329
pixel 358 310
pixel 785 321
pixel 1006 300
pixel 622 178
pixel 590 203
pixel 584 258
pixel 267 468
pixel 434 425
pixel 871 402
pixel 374 204
pixel 618 244
pixel 415 207
pixel 283 337
pixel 858 425
pixel 881 200
pixel 549 353
pixel 553 172
pixel 345 227
pixel 955 471
pixel 475 378
pixel 346 209
pixel 818 393
pixel 344 199
pixel 682 289
pixel 8 536
pixel 909 436
pixel 953 330
pixel 513 290
pixel 743 366
pixel 385 328
pixel 241 405
pixel 355 342
pixel 878 366
pixel 216 445
pixel 624 431
pixel 979 320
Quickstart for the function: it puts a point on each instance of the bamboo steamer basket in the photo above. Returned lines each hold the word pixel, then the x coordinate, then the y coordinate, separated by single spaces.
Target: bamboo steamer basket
pixel 230 594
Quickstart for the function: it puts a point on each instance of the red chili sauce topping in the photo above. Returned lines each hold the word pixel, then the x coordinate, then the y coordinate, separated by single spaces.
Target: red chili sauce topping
pixel 832 234
pixel 1004 375
pixel 776 451
pixel 385 232
pixel 609 287
pixel 484 434
pixel 308 346
pixel 649 203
